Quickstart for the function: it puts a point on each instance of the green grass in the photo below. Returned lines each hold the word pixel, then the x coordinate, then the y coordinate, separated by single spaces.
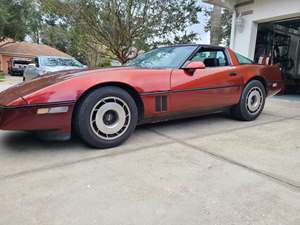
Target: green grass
pixel 2 78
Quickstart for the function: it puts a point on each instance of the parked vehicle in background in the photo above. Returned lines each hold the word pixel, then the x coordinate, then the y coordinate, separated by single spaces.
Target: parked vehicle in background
pixel 16 66
pixel 45 64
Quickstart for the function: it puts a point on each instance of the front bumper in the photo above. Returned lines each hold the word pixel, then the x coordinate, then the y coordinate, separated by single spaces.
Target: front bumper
pixel 27 118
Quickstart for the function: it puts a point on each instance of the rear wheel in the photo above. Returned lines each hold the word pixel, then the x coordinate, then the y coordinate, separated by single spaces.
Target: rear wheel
pixel 106 117
pixel 252 102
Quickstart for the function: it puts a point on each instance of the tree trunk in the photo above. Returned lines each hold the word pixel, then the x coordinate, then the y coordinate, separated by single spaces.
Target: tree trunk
pixel 216 26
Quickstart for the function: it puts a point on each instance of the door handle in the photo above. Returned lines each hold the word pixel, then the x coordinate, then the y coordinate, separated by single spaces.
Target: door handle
pixel 232 74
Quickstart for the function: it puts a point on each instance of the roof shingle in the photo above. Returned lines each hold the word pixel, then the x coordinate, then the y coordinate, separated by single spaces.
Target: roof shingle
pixel 25 49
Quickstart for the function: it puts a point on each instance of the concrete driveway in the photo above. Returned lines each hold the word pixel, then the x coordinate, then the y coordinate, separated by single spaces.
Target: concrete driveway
pixel 206 170
pixel 10 81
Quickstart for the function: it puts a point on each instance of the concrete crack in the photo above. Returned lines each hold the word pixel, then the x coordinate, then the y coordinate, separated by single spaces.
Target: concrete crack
pixel 88 159
pixel 273 177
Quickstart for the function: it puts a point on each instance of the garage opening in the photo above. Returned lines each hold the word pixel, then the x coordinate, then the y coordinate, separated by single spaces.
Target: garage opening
pixel 278 42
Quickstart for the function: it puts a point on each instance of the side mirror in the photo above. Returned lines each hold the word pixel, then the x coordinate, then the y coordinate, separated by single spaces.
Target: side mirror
pixel 191 67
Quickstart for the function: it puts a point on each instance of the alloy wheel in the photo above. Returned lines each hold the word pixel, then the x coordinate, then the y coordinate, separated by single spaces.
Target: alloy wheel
pixel 110 118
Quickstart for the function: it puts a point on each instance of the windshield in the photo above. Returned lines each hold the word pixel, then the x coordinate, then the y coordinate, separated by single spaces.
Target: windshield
pixel 166 57
pixel 21 62
pixel 62 62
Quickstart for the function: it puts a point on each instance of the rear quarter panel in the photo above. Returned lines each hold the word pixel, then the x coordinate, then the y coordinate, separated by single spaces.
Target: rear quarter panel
pixel 271 75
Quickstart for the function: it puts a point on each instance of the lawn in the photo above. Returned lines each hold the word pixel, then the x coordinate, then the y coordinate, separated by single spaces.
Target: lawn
pixel 1 76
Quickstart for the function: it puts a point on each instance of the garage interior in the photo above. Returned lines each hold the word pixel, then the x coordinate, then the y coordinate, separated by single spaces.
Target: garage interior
pixel 278 42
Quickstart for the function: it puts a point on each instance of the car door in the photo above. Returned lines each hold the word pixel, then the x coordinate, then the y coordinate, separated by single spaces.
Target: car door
pixel 216 86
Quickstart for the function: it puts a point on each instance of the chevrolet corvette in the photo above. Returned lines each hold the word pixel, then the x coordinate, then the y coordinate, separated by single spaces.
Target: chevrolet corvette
pixel 103 106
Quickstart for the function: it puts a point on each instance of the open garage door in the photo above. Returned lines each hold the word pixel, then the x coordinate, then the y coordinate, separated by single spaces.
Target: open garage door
pixel 279 42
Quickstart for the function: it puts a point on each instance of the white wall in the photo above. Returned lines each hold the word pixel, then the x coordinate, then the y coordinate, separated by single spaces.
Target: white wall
pixel 263 11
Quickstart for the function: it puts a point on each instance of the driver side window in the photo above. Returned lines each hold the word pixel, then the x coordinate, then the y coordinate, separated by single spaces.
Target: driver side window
pixel 211 57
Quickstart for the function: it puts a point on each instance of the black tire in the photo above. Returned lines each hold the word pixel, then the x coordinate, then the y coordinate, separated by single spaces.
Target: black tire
pixel 253 91
pixel 91 119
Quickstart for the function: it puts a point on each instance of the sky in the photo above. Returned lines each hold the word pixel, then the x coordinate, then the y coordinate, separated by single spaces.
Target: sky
pixel 199 28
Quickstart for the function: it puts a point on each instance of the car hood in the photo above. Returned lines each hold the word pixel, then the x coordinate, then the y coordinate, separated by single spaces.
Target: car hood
pixel 14 95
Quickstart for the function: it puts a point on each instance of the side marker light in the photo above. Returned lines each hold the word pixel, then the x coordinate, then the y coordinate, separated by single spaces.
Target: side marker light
pixel 53 110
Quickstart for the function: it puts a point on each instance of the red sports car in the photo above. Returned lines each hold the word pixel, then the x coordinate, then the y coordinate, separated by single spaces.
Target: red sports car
pixel 103 106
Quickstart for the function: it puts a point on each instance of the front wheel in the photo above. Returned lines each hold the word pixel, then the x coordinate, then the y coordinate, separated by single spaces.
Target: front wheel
pixel 106 117
pixel 252 102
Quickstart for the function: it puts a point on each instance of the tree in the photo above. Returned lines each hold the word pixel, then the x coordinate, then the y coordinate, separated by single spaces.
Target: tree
pixel 219 25
pixel 226 24
pixel 34 17
pixel 124 27
pixel 58 33
pixel 216 26
pixel 16 18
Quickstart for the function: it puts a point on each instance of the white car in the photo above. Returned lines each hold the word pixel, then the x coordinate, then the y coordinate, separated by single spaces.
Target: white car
pixel 46 64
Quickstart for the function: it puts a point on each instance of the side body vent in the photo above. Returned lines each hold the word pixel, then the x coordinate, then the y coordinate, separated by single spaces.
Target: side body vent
pixel 161 103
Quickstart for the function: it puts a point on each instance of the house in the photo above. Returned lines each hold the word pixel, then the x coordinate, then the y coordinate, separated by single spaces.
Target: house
pixel 267 28
pixel 10 50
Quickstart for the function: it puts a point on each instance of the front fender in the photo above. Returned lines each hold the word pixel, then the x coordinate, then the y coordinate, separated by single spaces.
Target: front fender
pixel 145 80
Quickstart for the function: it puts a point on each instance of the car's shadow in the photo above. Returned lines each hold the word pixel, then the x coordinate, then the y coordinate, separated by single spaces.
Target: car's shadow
pixel 26 141
pixel 190 120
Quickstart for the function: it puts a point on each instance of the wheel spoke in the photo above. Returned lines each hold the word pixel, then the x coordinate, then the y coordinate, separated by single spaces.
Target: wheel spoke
pixel 254 100
pixel 110 118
